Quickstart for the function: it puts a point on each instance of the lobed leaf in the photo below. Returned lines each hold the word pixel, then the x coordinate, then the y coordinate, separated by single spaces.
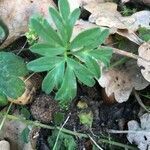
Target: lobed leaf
pixel 59 24
pixel 68 88
pixel 54 78
pixel 44 63
pixel 82 73
pixel 90 62
pixel 47 49
pixel 46 32
pixel 64 9
pixel 93 66
pixel 103 54
pixel 85 38
pixel 74 16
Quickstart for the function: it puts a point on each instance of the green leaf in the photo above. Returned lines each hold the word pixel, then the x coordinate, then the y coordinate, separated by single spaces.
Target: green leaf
pixel 46 32
pixel 3 99
pixel 54 77
pixel 65 141
pixel 59 24
pixel 46 49
pixel 59 118
pixel 86 38
pixel 25 135
pixel 93 66
pixel 10 64
pixel 11 68
pixel 25 112
pixel 68 88
pixel 144 34
pixel 86 118
pixel 12 86
pixel 44 63
pixel 82 73
pixel 104 34
pixel 90 62
pixel 74 16
pixel 64 9
pixel 103 54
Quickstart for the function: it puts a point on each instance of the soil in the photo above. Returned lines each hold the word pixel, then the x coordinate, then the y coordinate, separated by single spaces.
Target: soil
pixel 106 116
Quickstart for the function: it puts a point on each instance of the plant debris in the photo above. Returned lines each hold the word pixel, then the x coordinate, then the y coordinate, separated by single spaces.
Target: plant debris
pixel 144 64
pixel 142 136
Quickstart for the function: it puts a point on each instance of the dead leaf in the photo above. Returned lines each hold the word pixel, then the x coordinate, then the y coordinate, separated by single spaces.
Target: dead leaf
pixel 120 82
pixel 142 139
pixel 114 20
pixel 16 14
pixel 144 52
pixel 79 3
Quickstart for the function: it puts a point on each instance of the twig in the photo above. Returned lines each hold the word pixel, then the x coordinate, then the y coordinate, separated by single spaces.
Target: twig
pixel 117 144
pixel 60 132
pixel 127 54
pixel 22 47
pixel 139 100
pixel 124 53
pixel 94 142
pixel 29 77
pixel 127 131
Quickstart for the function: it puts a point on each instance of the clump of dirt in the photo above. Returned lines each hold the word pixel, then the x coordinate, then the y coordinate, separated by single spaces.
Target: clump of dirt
pixel 43 108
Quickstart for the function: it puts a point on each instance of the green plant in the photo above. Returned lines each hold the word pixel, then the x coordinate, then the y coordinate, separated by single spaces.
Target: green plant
pixel 31 36
pixel 12 67
pixel 144 34
pixel 66 141
pixel 128 11
pixel 66 59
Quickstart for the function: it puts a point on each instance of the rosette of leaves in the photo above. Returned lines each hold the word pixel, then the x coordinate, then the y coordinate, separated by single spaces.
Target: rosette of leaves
pixel 12 67
pixel 67 60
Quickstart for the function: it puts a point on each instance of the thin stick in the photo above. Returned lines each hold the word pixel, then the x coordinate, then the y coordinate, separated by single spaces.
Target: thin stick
pixel 60 132
pixel 127 54
pixel 29 77
pixel 94 142
pixel 22 48
pixel 117 144
pixel 127 131
pixel 139 100
pixel 124 53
